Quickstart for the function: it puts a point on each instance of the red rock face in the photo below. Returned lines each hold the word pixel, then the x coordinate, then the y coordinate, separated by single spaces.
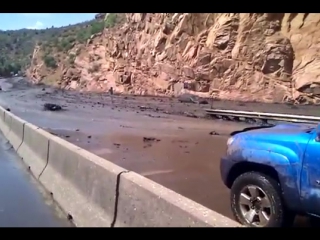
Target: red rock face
pixel 263 57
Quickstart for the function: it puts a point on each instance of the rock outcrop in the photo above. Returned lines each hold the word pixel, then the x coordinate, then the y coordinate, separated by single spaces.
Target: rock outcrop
pixel 269 57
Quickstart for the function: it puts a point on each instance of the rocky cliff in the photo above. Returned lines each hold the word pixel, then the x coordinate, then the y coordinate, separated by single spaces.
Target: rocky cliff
pixel 259 56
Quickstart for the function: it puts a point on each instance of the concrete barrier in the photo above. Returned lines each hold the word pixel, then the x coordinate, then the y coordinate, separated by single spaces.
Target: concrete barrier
pixel 97 193
pixel 16 134
pixel 82 183
pixel 7 123
pixel 2 124
pixel 144 203
pixel 34 149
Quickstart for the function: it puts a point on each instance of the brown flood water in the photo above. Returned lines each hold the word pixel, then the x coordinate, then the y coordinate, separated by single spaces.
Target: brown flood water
pixel 184 161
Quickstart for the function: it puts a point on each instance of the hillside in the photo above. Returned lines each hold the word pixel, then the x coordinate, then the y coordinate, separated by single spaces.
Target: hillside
pixel 16 47
pixel 259 56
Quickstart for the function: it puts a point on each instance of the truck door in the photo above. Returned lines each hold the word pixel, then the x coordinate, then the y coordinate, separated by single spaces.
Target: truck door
pixel 310 177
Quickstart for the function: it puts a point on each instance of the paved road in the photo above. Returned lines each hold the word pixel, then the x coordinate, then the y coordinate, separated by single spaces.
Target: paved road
pixel 183 156
pixel 22 202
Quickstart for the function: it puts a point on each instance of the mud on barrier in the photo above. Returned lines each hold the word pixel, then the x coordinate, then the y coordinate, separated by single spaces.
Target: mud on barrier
pixel 97 193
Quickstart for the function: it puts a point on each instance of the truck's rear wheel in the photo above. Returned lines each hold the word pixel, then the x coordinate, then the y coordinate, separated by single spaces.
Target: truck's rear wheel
pixel 256 201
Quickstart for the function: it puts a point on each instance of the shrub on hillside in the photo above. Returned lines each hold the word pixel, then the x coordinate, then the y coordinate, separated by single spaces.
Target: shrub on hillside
pixel 96 27
pixel 72 58
pixel 49 61
pixel 83 36
pixel 110 20
pixel 65 45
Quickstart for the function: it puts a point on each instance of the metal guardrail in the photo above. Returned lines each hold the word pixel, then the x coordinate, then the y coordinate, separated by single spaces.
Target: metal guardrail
pixel 237 115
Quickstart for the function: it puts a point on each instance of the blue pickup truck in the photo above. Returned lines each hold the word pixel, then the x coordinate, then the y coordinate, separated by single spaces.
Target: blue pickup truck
pixel 273 173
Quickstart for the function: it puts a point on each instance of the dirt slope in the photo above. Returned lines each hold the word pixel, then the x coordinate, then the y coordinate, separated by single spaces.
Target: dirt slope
pixel 263 57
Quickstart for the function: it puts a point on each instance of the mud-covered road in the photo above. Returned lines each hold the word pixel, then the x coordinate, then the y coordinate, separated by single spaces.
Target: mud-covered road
pixel 160 138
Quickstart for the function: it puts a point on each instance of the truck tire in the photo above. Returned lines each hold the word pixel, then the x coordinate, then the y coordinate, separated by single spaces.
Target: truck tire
pixel 256 201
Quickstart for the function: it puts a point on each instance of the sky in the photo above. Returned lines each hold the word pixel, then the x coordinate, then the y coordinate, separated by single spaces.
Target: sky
pixel 14 21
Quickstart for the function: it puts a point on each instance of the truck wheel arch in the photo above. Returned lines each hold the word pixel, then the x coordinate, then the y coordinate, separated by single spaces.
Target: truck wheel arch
pixel 243 167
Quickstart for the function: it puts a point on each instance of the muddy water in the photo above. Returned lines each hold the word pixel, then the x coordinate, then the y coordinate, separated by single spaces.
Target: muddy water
pixel 23 203
pixel 185 160
pixel 183 156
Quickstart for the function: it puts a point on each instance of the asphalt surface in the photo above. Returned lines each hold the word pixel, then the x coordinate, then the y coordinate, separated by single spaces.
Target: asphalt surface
pixel 160 138
pixel 23 203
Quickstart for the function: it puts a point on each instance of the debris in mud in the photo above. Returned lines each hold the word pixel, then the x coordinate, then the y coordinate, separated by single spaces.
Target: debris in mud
pixel 225 118
pixel 250 120
pixel 148 145
pixel 151 139
pixel 188 114
pixel 189 98
pixel 89 136
pixel 152 116
pixel 67 136
pixel 143 108
pixel 77 130
pixel 117 145
pixel 52 107
pixel 213 133
pixel 262 122
pixel 43 89
pixel 203 101
pixel 123 126
pixel 236 119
